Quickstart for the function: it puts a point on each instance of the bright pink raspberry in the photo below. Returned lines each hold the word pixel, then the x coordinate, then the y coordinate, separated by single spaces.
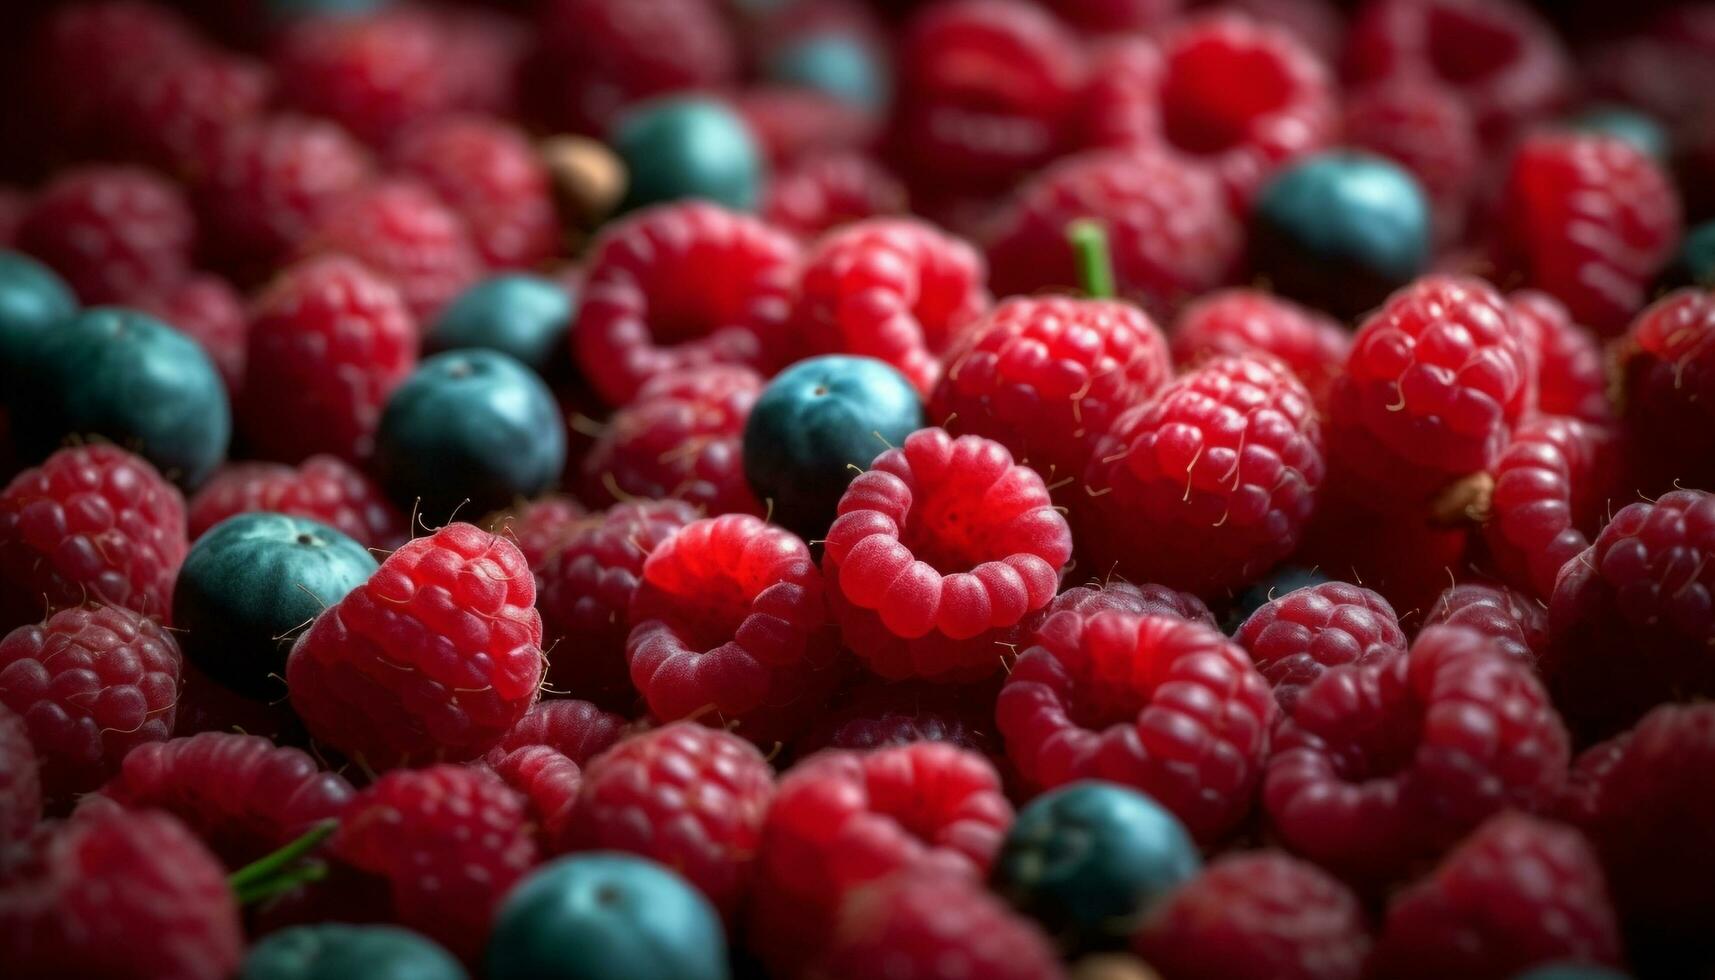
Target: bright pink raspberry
pixel 1667 395
pixel 939 549
pixel 20 781
pixel 878 714
pixel 486 170
pixel 176 112
pixel 1250 322
pixel 208 310
pixel 1424 126
pixel 435 657
pixel 1211 483
pixel 91 523
pixel 92 683
pixel 322 488
pixel 679 286
pixel 1295 639
pixel 1551 486
pixel 1571 375
pixel 329 341
pixel 896 289
pixel 539 526
pixel 1159 703
pixel 114 233
pixel 827 190
pixel 403 232
pixel 1515 622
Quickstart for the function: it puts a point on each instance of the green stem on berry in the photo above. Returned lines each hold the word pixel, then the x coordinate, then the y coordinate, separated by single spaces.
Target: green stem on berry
pixel 269 887
pixel 1095 264
pixel 275 873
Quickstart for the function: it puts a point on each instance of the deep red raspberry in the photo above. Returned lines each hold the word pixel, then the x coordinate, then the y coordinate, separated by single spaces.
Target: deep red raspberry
pixel 939 549
pixel 92 522
pixel 575 729
pixel 1516 623
pixel 876 715
pixel 402 231
pixel 1210 484
pixel 322 488
pixel 20 781
pixel 1121 99
pixel 825 191
pixel 208 310
pixel 1517 893
pixel 729 626
pixel 242 795
pixel 1046 378
pixel 1667 394
pixel 115 234
pixel 683 285
pixel 1294 639
pixel 844 819
pixel 549 782
pixel 1551 485
pixel 329 341
pixel 1571 375
pixel 1424 126
pixel 175 113
pixel 435 657
pixel 1140 600
pixel 681 437
pixel 1257 916
pixel 1159 703
pixel 926 925
pixel 1251 322
pixel 1409 561
pixel 1382 765
pixel 539 526
pixel 1116 16
pixel 1589 219
pixel 91 684
pixel 1318 24
pixel 14 204
pixel 119 894
pixel 896 289
pixel 488 172
pixel 1170 232
pixel 451 841
pixel 795 125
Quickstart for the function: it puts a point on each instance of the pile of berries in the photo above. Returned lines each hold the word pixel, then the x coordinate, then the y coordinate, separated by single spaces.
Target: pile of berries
pixel 849 489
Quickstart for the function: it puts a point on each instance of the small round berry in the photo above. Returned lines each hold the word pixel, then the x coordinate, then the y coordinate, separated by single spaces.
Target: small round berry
pixel 486 170
pixel 840 64
pixel 1667 378
pixel 1246 322
pixel 333 950
pixel 538 526
pixel 925 925
pixel 1294 639
pixel 33 298
pixel 577 730
pixel 20 781
pixel 175 113
pixel 117 234
pixel 325 489
pixel 1572 377
pixel 1424 126
pixel 1518 624
pixel 208 310
pixel 521 315
pixel 688 147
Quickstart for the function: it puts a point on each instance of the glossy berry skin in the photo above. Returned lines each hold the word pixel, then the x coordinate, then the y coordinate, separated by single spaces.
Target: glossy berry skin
pixel 1552 484
pixel 1258 915
pixel 92 522
pixel 20 781
pixel 33 298
pixel 1294 639
pixel 402 231
pixel 840 64
pixel 927 925
pixel 1128 698
pixel 114 233
pixel 1423 125
pixel 598 915
pixel 680 147
pixel 939 548
pixel 521 315
pixel 434 657
pixel 209 311
pixel 487 171
pixel 1517 623
pixel 1248 322
pixel 1216 478
pixel 336 951
pixel 1090 859
pixel 1572 375
pixel 828 190
pixel 325 489
pixel 1667 370
pixel 678 286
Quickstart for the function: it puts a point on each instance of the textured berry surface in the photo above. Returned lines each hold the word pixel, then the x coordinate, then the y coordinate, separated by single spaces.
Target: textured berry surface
pixel 1571 376
pixel 175 113
pixel 828 190
pixel 1297 637
pixel 488 172
pixel 322 488
pixel 538 527
pixel 404 233
pixel 1667 369
pixel 578 730
pixel 1549 490
pixel 1517 623
pixel 115 234
pixel 548 780
pixel 1424 126
pixel 877 715
pixel 1249 322
pixel 1116 594
pixel 20 781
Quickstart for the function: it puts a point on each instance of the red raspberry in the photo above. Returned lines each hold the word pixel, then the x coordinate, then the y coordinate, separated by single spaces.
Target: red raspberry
pixel 1116 16
pixel 577 730
pixel 489 173
pixel 1384 764
pixel 795 125
pixel 1121 100
pixel 484 55
pixel 1170 231
pixel 729 624
pixel 1667 373
pixel 538 527
pixel 329 341
pixel 681 437
pixel 435 657
pixel 939 549
pixel 1168 706
pixel 120 894
pixel 20 782
pixel 895 289
pixel 1295 639
pixel 841 820
pixel 208 310
pixel 92 522
pixel 1210 484
pixel 1046 378
pixel 825 191
pixel 92 683
pixel 1408 561
pixel 1139 600
pixel 1249 322
pixel 1514 622
pixel 14 204
pixel 1550 486
pixel 1317 24
pixel 1571 375
pixel 116 234
pixel 877 715
pixel 173 115
pixel 401 230
pixel 241 794
pixel 922 926
pixel 451 841
pixel 1589 219
pixel 678 286
pixel 1425 126
pixel 1257 916
pixel 322 488
pixel 549 782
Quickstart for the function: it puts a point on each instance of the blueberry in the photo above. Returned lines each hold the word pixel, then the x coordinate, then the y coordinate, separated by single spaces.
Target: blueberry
pixel 333 951
pixel 601 915
pixel 816 425
pixel 1694 263
pixel 837 65
pixel 1266 590
pixel 1626 124
pixel 688 146
pixel 32 298
pixel 518 314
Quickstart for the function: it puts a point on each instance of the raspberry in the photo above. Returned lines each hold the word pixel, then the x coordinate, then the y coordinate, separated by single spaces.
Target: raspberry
pixel 926 925
pixel 91 522
pixel 1115 16
pixel 1168 706
pixel 1423 125
pixel 827 190
pixel 322 488
pixel 1297 637
pixel 91 684
pixel 1384 764
pixel 14 204
pixel 1317 24
pixel 120 895
pixel 678 286
pixel 895 289
pixel 940 548
pixel 689 797
pixel 1667 373
pixel 1409 562
pixel 1139 600
pixel 1121 100
pixel 877 715
pixel 20 782
pixel 451 841
pixel 435 657
pixel 1589 219
pixel 1211 483
pixel 1257 916
pixel 577 730
pixel 1046 378
pixel 1514 622
pixel 841 820
pixel 585 596
pixel 549 782
pixel 794 125
pixel 1550 486
pixel 1631 623
pixel 539 526
pixel 115 234
pixel 242 795
pixel 174 114
pixel 728 621
pixel 1171 233
pixel 329 341
pixel 208 310
pixel 402 231
pixel 1248 322
pixel 489 173
pixel 681 437
pixel 1571 377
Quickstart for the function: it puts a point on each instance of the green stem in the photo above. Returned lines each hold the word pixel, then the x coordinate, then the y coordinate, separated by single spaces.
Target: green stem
pixel 1095 265
pixel 268 888
pixel 274 872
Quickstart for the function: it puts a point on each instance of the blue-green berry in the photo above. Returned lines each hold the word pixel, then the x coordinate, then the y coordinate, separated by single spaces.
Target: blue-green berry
pixel 32 299
pixel 335 951
pixel 1622 122
pixel 518 314
pixel 837 65
pixel 688 146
